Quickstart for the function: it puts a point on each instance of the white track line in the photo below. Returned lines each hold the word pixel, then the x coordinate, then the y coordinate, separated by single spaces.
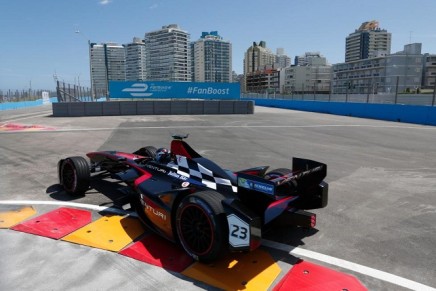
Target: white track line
pixel 25 116
pixel 223 126
pixel 381 275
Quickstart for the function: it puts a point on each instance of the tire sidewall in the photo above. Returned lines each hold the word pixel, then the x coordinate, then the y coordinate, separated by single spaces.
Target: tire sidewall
pixel 214 221
pixel 69 163
pixel 80 175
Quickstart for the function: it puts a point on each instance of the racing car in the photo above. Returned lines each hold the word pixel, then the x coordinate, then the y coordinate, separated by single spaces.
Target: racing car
pixel 190 200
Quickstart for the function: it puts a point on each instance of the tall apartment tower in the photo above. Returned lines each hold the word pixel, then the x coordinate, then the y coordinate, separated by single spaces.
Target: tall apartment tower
pixel 135 60
pixel 367 41
pixel 168 56
pixel 258 57
pixel 107 64
pixel 211 59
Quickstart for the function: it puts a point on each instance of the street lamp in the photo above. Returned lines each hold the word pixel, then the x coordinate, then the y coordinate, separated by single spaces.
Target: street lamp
pixel 90 65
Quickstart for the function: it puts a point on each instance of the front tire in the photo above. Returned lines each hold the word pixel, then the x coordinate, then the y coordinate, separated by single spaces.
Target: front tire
pixel 74 175
pixel 202 226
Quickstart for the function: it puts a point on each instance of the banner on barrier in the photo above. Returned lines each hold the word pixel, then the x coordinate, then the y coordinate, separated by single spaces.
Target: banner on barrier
pixel 183 90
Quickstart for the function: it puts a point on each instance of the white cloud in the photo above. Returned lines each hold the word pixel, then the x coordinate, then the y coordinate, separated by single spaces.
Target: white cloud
pixel 154 6
pixel 105 2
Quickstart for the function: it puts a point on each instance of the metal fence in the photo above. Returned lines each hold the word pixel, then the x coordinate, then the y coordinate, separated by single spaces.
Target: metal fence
pixel 406 99
pixel 72 93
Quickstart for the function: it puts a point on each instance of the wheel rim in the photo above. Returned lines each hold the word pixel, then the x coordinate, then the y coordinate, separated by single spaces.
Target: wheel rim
pixel 68 176
pixel 196 229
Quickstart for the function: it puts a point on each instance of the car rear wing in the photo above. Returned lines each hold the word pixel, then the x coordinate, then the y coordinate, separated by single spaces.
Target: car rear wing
pixel 305 174
pixel 303 188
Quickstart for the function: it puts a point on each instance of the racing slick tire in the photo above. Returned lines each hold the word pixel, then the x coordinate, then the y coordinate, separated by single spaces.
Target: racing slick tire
pixel 74 175
pixel 148 151
pixel 202 226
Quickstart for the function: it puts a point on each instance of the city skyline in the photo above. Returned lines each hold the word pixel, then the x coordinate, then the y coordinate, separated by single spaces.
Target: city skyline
pixel 40 39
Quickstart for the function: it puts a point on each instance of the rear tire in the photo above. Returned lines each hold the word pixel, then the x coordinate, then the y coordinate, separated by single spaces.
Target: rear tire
pixel 202 226
pixel 74 175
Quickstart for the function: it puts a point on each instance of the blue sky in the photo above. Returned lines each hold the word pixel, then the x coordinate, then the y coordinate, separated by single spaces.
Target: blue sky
pixel 38 38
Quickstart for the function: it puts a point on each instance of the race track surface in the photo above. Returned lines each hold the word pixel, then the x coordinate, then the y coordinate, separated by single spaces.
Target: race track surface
pixel 379 226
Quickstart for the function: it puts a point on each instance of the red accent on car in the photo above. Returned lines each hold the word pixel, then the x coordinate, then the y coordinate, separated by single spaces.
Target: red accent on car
pixel 282 203
pixel 177 148
pixel 144 177
pixel 313 221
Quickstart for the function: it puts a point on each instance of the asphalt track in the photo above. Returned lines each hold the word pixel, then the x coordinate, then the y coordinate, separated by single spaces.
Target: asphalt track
pixel 379 225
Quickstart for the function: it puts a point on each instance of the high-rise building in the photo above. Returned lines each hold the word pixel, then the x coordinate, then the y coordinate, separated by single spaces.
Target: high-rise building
pixel 211 58
pixel 282 60
pixel 135 60
pixel 107 64
pixel 258 57
pixel 168 56
pixel 367 41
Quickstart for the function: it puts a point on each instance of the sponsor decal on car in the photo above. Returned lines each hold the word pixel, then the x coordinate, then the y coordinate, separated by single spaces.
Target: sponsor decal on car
pixel 157 169
pixel 150 209
pixel 256 186
pixel 177 176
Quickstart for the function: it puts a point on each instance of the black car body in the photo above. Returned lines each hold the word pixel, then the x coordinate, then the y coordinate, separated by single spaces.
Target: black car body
pixel 191 200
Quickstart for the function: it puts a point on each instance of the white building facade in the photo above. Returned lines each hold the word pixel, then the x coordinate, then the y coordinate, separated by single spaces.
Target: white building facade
pixel 398 72
pixel 136 60
pixel 107 64
pixel 168 54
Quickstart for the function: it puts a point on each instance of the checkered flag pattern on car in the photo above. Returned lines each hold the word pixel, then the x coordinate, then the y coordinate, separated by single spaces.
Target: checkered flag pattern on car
pixel 189 168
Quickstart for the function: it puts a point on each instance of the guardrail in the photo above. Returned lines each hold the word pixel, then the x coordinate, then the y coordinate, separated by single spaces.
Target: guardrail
pixel 405 99
pixel 391 112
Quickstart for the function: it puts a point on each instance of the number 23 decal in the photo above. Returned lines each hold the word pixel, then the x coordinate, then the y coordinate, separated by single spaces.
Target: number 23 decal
pixel 239 231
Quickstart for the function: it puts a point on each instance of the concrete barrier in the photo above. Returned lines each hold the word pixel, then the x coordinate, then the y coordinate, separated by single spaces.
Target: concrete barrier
pixel 391 112
pixel 77 109
pixel 196 107
pixel 91 108
pixel 152 107
pixel 128 108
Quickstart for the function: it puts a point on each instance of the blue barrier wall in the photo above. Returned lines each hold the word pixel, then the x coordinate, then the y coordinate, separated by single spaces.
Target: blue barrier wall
pixel 391 112
pixel 23 104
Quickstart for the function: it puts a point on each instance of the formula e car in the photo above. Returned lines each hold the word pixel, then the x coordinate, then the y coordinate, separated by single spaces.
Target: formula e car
pixel 190 200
